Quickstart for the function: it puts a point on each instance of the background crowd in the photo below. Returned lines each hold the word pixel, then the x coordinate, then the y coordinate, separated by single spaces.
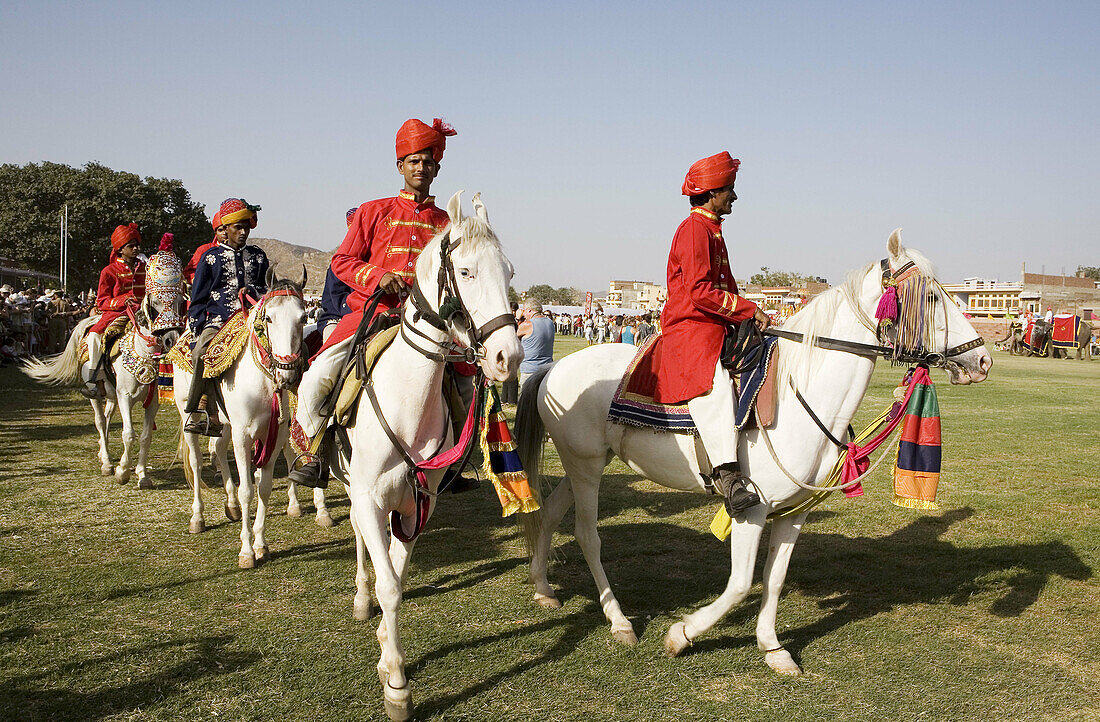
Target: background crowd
pixel 35 324
pixel 601 328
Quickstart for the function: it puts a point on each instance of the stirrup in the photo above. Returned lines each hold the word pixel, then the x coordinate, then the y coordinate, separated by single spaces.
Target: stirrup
pixel 739 499
pixel 204 425
pixel 313 473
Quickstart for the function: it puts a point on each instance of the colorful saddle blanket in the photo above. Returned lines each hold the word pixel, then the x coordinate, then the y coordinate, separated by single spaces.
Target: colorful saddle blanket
pixel 112 337
pixel 634 405
pixel 1066 328
pixel 224 349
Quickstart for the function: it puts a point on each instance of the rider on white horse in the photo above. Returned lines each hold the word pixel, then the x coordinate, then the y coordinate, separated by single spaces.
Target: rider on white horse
pixel 384 239
pixel 223 271
pixel 703 302
pixel 121 283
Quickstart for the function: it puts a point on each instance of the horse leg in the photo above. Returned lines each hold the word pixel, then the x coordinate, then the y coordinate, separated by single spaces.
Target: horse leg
pixel 150 417
pixel 293 508
pixel 387 588
pixel 192 458
pixel 361 606
pixel 259 543
pixel 586 487
pixel 785 532
pixel 125 410
pixel 221 459
pixel 553 510
pixel 246 558
pixel 106 466
pixel 322 518
pixel 744 542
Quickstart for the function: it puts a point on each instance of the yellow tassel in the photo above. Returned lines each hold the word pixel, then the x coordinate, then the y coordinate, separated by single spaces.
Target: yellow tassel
pixel 907 503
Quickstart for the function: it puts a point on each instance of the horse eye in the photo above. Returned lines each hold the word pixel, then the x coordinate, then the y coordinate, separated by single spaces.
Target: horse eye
pixel 464 272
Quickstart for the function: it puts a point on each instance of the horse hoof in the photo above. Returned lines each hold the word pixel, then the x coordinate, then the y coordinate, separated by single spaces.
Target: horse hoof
pixel 547 601
pixel 625 636
pixel 398 703
pixel 246 561
pixel 145 482
pixel 676 640
pixel 294 511
pixel 262 554
pixel 232 513
pixel 361 609
pixel 782 663
pixel 107 470
pixel 325 520
pixel 122 476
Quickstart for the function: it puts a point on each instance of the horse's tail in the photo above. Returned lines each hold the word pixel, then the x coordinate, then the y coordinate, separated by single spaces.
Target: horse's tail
pixel 529 434
pixel 62 368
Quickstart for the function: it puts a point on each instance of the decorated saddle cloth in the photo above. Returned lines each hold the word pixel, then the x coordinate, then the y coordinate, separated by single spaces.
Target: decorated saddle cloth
pixel 112 338
pixel 1066 328
pixel 634 405
pixel 224 349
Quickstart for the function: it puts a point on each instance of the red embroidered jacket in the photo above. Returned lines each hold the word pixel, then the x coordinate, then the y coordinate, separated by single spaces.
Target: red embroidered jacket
pixel 703 302
pixel 118 283
pixel 385 235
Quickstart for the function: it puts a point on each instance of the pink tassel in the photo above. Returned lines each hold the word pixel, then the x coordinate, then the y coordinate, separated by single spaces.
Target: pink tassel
pixel 888 305
pixel 166 242
pixel 441 126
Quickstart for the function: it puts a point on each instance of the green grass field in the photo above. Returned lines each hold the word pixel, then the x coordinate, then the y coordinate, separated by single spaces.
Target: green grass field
pixel 988 609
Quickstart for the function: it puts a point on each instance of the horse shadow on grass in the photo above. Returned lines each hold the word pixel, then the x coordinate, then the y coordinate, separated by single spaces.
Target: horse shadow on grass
pixel 854 578
pixel 45 694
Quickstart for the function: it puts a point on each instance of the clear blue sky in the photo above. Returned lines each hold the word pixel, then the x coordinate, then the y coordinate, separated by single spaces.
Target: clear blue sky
pixel 971 125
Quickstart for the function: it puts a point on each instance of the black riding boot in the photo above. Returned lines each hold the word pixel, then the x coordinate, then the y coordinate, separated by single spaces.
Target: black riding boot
pixel 314 473
pixel 199 420
pixel 730 483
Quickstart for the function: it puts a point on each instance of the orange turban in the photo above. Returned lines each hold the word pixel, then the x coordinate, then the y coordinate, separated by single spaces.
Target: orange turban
pixel 717 171
pixel 123 235
pixel 237 209
pixel 415 136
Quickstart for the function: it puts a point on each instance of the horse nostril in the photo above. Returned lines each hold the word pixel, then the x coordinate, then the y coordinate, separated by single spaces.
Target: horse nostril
pixel 986 363
pixel 501 361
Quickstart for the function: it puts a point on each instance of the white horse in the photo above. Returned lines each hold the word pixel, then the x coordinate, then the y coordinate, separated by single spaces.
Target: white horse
pixel 135 380
pixel 571 401
pixel 247 388
pixel 408 384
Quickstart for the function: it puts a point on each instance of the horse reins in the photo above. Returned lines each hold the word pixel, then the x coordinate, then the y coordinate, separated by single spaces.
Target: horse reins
pixel 451 307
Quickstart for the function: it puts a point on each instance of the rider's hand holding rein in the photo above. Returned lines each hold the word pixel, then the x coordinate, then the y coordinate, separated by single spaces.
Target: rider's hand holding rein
pixel 761 319
pixel 392 283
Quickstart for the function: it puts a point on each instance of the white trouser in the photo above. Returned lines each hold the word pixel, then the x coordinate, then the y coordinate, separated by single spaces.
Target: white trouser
pixel 316 384
pixel 327 330
pixel 714 415
pixel 95 350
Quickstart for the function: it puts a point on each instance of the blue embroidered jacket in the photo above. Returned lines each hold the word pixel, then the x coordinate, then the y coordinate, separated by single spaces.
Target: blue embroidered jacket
pixel 220 275
pixel 333 300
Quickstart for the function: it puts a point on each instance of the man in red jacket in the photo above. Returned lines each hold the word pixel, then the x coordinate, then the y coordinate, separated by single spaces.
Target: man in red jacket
pixel 121 283
pixel 703 302
pixel 219 237
pixel 383 241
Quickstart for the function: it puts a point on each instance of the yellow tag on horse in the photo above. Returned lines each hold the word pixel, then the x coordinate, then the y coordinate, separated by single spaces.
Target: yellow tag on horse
pixel 721 525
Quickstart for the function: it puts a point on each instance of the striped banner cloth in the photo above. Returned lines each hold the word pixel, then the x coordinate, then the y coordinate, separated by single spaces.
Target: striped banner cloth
pixel 917 472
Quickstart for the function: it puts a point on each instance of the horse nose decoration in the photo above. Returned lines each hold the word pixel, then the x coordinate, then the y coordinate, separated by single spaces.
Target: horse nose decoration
pixel 163 283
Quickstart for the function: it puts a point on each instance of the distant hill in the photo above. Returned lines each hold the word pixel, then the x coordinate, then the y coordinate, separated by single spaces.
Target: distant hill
pixel 288 258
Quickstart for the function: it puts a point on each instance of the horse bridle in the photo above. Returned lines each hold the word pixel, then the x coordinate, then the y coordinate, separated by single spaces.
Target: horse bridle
pixel 898 356
pixel 269 358
pixel 452 310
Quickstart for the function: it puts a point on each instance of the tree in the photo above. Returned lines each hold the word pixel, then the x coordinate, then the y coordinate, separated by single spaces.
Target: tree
pixel 1090 272
pixel 768 277
pixel 513 297
pixel 99 198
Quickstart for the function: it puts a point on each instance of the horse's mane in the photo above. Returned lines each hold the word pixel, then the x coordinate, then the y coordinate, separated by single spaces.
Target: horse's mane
pixel 477 232
pixel 799 362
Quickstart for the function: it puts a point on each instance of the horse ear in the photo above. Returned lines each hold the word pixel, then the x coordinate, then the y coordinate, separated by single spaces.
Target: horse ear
pixel 270 278
pixel 305 275
pixel 147 308
pixel 454 208
pixel 479 207
pixel 894 245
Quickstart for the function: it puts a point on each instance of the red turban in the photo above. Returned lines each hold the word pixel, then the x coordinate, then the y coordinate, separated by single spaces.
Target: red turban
pixel 217 221
pixel 123 235
pixel 351 214
pixel 415 136
pixel 237 209
pixel 717 171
